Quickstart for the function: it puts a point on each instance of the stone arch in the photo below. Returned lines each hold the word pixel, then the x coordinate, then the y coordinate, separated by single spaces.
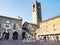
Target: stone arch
pixel 5 35
pixel 15 35
pixel 23 35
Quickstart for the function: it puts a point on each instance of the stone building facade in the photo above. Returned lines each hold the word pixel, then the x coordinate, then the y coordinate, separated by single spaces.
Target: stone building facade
pixel 29 28
pixel 10 25
pixel 27 36
pixel 50 29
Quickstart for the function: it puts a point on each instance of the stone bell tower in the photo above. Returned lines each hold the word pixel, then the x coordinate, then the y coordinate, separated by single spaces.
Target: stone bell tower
pixel 36 12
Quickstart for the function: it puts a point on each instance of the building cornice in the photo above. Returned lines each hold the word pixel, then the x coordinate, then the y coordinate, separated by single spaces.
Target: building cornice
pixel 50 19
pixel 11 18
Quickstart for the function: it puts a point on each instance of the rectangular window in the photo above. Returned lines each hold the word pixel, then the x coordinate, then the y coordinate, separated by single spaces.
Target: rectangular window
pixel 47 28
pixel 7 22
pixel 54 27
pixel 41 30
pixel 7 26
pixel 0 25
pixel 14 26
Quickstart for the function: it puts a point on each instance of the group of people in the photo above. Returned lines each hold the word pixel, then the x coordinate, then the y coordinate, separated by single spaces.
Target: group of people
pixel 55 38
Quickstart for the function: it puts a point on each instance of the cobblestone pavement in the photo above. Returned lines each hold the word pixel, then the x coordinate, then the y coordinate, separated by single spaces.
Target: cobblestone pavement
pixel 19 42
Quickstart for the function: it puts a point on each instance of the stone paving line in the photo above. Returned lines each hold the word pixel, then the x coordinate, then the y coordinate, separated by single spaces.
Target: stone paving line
pixel 20 42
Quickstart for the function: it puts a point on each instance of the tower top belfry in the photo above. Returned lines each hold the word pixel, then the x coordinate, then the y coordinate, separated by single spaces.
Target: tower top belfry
pixel 36 12
pixel 35 0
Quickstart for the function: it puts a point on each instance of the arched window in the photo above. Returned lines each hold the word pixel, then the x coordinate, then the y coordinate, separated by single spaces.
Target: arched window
pixel 15 35
pixel 34 6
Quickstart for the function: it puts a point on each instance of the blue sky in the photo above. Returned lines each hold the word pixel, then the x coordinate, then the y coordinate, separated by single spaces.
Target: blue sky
pixel 23 8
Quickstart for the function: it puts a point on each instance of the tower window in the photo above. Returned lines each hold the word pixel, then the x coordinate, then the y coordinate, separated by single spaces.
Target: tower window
pixel 38 4
pixel 38 8
pixel 33 6
pixel 38 12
